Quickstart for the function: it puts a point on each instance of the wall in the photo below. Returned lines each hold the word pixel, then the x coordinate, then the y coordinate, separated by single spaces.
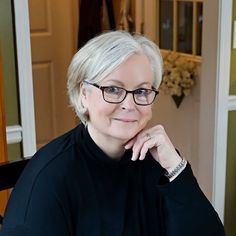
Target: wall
pixel 181 124
pixel 9 71
pixel 230 197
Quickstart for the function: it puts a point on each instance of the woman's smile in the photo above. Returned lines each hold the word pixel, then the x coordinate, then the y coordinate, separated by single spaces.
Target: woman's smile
pixel 125 120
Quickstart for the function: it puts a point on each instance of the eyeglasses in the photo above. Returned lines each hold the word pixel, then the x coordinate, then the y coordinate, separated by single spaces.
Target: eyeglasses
pixel 113 94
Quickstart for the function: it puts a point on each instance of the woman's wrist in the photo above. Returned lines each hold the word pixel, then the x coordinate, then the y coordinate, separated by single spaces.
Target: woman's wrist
pixel 174 172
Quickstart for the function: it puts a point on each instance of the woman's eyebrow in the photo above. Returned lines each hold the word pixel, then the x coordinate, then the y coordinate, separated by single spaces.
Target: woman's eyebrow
pixel 115 81
pixel 144 83
pixel 120 83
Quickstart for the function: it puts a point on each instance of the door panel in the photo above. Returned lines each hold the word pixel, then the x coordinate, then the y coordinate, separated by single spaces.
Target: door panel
pixel 52 43
pixel 45 100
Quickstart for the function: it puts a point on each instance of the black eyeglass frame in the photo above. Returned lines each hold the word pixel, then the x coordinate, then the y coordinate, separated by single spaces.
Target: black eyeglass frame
pixel 102 88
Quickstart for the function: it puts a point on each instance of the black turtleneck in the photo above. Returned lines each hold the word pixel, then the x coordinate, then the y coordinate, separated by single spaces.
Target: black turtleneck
pixel 72 188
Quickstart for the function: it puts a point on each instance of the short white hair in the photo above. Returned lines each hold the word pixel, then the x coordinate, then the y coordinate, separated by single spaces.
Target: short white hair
pixel 102 55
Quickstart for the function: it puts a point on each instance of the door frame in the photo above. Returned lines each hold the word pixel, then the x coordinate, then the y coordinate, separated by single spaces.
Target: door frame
pixel 25 132
pixel 224 103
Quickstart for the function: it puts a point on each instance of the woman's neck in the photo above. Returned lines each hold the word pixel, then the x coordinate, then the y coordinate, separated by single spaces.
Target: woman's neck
pixel 113 148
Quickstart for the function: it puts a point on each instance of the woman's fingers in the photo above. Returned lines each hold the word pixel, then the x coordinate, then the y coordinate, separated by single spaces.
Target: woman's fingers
pixel 158 143
pixel 148 145
pixel 142 143
pixel 137 145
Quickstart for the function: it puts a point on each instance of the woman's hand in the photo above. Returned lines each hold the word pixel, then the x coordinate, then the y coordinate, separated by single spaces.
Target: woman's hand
pixel 158 143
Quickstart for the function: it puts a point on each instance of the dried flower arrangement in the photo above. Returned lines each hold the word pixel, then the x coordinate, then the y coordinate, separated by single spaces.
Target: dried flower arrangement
pixel 180 74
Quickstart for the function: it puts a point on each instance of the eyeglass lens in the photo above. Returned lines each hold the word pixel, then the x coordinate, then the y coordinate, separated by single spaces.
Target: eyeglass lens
pixel 116 95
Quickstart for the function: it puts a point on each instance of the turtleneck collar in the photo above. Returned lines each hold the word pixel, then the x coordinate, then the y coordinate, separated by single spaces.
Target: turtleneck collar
pixel 96 153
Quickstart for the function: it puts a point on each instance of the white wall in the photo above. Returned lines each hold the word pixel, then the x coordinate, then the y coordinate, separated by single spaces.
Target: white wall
pixel 208 96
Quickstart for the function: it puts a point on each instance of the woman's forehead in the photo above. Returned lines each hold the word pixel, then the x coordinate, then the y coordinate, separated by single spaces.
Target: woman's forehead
pixel 136 69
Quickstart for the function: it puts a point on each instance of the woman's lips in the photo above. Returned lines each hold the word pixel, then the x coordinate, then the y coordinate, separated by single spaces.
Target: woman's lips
pixel 126 120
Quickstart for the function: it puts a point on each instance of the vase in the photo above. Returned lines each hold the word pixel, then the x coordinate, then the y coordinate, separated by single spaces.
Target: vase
pixel 178 99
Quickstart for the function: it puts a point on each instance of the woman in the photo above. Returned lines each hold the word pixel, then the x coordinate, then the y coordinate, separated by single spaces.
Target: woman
pixel 111 175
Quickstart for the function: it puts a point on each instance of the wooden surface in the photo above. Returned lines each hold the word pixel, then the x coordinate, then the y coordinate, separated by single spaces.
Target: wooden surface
pixel 3 146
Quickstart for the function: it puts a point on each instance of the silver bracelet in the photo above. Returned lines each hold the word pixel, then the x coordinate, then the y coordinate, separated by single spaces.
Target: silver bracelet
pixel 177 169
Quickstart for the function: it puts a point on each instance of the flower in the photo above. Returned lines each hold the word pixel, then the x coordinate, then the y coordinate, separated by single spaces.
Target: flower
pixel 179 76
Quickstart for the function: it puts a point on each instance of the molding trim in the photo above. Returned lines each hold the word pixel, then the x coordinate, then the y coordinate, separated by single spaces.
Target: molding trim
pixel 223 102
pixel 14 134
pixel 24 64
pixel 232 103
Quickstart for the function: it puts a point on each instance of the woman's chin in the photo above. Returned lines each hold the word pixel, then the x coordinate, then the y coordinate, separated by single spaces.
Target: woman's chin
pixel 125 139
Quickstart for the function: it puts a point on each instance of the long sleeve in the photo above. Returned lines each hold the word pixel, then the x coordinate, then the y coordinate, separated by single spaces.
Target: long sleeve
pixel 186 209
pixel 39 213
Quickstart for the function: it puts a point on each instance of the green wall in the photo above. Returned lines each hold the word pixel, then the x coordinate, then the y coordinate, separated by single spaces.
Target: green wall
pixel 7 44
pixel 233 59
pixel 230 197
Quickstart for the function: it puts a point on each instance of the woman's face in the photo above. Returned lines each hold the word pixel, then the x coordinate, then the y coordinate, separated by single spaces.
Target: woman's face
pixel 120 122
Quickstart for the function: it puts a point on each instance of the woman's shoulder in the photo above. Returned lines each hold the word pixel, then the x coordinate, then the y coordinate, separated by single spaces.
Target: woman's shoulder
pixel 46 173
pixel 52 160
pixel 59 145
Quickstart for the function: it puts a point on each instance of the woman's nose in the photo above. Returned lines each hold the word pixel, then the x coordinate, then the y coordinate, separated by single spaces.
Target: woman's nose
pixel 128 102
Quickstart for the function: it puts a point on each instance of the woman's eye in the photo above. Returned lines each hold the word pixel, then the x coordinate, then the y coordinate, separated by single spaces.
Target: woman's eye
pixel 142 92
pixel 113 90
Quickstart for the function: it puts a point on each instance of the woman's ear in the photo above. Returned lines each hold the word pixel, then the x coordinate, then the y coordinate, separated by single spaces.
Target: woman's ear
pixel 82 89
pixel 83 94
